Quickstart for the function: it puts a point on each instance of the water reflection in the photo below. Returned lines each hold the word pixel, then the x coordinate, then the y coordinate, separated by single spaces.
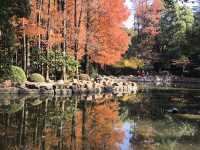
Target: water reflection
pixel 100 122
pixel 79 122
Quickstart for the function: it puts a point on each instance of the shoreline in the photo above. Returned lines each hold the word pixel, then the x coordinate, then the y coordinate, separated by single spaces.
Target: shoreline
pixel 104 85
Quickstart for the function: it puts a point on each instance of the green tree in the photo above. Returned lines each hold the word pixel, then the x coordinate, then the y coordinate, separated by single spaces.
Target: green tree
pixel 8 10
pixel 175 23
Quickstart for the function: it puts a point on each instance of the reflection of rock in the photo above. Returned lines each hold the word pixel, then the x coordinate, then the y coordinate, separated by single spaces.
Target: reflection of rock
pixel 11 90
pixel 43 90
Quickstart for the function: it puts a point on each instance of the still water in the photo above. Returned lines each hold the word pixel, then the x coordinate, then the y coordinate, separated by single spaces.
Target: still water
pixel 149 120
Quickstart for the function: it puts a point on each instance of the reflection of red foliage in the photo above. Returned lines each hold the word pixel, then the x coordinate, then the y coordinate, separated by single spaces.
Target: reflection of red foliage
pixel 108 127
pixel 103 125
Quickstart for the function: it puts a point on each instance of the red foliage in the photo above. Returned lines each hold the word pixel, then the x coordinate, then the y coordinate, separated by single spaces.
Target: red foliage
pixel 110 39
pixel 107 40
pixel 148 16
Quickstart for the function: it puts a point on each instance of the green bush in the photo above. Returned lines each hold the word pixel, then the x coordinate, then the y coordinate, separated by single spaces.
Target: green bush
pixel 16 74
pixel 36 77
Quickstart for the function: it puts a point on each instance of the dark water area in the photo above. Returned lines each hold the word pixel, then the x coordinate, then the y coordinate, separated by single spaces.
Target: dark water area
pixel 151 119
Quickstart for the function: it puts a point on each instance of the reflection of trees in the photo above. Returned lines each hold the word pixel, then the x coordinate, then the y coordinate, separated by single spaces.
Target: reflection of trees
pixel 98 126
pixel 105 125
pixel 165 134
pixel 151 104
pixel 157 130
pixel 77 123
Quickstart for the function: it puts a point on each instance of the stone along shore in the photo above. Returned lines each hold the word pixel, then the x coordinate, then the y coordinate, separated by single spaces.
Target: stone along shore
pixel 101 85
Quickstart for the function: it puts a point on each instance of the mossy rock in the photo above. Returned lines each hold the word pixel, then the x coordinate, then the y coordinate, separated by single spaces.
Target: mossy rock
pixel 36 77
pixel 16 75
pixel 189 117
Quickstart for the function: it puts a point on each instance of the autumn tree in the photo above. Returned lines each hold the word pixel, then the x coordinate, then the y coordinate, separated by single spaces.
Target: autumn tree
pixel 86 30
pixel 147 20
pixel 110 38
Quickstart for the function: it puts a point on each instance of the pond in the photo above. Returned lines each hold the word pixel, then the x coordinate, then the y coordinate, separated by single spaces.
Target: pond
pixel 152 119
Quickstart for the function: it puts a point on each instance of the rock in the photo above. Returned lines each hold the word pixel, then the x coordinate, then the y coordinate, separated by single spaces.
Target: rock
pixel 50 81
pixel 32 85
pixel 85 77
pixel 60 82
pixel 115 84
pixel 24 90
pixel 89 85
pixel 47 86
pixel 7 83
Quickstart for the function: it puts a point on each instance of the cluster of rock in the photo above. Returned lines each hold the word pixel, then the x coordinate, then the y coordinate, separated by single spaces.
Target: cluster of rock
pixel 83 85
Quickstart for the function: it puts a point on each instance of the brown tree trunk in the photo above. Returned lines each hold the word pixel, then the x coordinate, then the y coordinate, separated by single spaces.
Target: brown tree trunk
pixel 75 29
pixel 24 48
pixel 77 24
pixel 47 39
pixel 87 36
pixel 65 39
pixel 28 63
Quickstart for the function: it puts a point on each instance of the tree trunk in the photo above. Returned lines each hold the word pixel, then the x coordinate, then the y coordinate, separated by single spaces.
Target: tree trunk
pixel 87 37
pixel 75 27
pixel 65 39
pixel 47 39
pixel 39 23
pixel 28 57
pixel 24 47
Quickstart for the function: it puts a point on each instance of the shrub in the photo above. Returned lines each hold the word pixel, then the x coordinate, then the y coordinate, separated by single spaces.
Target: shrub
pixel 133 63
pixel 16 75
pixel 36 77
